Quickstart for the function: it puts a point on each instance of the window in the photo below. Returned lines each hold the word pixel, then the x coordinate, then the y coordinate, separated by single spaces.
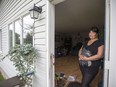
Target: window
pixel 27 29
pixel 20 31
pixel 11 36
pixel 17 32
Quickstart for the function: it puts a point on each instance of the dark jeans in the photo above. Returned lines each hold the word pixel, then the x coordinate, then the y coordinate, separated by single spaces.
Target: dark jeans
pixel 100 84
pixel 88 74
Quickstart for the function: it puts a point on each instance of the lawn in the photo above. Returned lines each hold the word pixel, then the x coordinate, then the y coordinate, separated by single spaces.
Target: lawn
pixel 1 77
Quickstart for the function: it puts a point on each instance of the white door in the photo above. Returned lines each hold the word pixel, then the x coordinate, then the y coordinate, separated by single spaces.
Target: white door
pixel 50 43
pixel 110 47
pixel 51 33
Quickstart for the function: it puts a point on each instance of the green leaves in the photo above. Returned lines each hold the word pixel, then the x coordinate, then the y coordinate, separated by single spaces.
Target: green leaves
pixel 23 58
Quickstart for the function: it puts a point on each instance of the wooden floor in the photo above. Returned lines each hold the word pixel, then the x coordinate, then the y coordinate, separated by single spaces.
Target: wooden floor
pixel 69 66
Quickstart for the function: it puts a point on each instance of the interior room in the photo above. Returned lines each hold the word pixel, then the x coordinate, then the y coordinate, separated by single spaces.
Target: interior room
pixel 73 20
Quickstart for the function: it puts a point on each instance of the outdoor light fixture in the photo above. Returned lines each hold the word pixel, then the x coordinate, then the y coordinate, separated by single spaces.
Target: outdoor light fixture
pixel 35 11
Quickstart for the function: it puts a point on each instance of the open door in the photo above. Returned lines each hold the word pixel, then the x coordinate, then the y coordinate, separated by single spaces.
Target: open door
pixel 110 47
pixel 50 42
pixel 51 38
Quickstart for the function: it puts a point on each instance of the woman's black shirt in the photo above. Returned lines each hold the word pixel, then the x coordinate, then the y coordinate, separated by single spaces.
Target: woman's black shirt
pixel 93 48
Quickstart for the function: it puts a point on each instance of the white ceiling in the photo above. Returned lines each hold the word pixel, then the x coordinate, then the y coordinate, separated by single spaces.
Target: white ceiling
pixel 79 15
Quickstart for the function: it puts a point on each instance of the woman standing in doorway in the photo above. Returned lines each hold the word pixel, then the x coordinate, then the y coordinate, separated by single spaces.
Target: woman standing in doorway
pixel 90 55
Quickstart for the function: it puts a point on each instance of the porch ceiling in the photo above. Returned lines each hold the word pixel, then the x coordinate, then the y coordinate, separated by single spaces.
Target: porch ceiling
pixel 79 15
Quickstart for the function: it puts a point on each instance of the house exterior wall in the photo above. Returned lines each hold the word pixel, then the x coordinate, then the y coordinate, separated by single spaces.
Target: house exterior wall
pixel 12 10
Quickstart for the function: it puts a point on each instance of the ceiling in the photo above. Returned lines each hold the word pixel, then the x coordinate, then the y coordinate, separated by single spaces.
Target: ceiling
pixel 79 15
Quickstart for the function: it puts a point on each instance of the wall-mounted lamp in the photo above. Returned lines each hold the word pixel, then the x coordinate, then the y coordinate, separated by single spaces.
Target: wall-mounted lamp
pixel 35 11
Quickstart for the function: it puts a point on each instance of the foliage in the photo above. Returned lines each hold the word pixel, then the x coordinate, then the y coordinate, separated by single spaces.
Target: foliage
pixel 23 58
pixel 28 38
pixel 1 77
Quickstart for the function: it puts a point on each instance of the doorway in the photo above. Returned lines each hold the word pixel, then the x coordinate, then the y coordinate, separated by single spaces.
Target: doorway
pixel 73 19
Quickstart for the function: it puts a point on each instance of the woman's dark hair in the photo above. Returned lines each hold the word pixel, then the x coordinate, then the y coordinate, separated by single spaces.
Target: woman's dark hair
pixel 95 29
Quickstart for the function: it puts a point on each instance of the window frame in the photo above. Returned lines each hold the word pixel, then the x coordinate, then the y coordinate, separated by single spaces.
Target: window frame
pixel 19 19
pixel 9 44
pixel 21 31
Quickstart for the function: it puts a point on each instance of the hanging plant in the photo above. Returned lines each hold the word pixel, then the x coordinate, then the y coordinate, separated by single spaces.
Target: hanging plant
pixel 23 58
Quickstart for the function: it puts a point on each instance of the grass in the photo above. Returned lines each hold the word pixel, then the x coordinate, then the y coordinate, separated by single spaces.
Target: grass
pixel 1 77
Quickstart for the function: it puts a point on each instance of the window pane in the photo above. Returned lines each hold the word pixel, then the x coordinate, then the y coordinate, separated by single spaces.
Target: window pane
pixel 27 29
pixel 17 32
pixel 11 36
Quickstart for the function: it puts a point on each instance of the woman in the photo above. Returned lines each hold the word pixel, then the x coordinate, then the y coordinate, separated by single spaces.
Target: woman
pixel 89 64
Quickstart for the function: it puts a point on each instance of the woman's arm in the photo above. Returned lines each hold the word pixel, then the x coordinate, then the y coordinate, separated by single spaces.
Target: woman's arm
pixel 98 56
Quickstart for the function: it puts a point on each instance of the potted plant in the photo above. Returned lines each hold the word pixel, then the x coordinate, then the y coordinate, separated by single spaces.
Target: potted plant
pixel 23 58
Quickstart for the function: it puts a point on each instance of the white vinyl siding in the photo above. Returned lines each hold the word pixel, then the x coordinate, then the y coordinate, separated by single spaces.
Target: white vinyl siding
pixel 40 44
pixel 11 10
pixel 0 40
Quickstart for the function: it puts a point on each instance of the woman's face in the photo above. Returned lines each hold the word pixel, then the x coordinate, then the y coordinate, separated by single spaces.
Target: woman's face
pixel 93 35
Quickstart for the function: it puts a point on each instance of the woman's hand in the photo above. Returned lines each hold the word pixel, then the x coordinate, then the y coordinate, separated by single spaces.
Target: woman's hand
pixel 81 57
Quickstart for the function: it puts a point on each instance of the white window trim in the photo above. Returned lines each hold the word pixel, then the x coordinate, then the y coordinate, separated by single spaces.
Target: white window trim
pixel 21 35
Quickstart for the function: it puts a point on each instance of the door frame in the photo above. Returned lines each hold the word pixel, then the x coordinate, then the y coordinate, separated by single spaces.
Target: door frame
pixel 107 41
pixel 107 45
